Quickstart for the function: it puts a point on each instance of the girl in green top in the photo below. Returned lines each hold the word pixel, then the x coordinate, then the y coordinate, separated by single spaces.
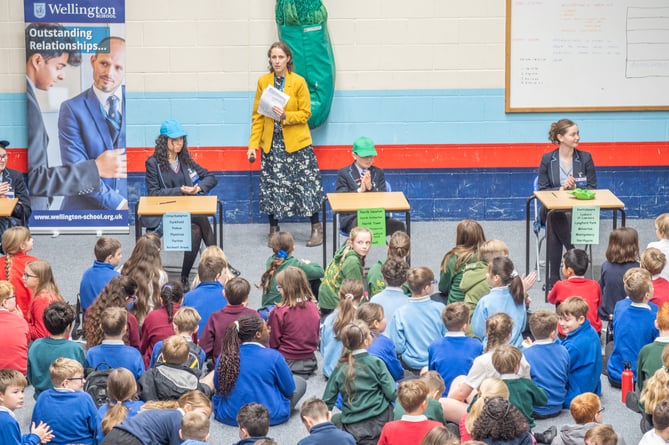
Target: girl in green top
pixel 283 245
pixel 366 386
pixel 399 246
pixel 348 262
pixel 468 236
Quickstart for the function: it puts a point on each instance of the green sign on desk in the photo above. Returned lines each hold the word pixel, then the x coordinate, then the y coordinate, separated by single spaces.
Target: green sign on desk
pixel 374 220
pixel 585 225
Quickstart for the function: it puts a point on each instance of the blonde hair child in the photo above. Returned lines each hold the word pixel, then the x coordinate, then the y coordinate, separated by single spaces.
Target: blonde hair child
pixel 17 242
pixel 662 233
pixel 348 263
pixel 490 388
pixel 123 403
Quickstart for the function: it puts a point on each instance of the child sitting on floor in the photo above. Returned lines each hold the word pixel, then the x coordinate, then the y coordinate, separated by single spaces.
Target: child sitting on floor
pixel 12 384
pixel 583 345
pixel 80 425
pixel 414 425
pixel 194 429
pixel 58 319
pixel 316 418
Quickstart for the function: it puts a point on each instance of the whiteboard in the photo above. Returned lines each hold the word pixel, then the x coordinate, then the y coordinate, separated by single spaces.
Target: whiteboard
pixel 587 55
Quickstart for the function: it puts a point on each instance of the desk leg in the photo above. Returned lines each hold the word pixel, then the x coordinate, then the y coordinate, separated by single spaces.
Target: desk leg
pixel 138 223
pixel 548 265
pixel 335 232
pixel 325 237
pixel 623 217
pixel 407 218
pixel 527 234
pixel 219 206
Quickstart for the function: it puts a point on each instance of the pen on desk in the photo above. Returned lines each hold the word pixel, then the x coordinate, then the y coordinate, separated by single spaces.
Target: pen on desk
pixel 551 192
pixel 167 202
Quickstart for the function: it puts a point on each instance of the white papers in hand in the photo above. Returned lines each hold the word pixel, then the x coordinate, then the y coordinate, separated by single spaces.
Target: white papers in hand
pixel 272 97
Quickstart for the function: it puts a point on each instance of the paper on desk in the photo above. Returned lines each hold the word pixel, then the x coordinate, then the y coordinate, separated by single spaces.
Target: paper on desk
pixel 272 97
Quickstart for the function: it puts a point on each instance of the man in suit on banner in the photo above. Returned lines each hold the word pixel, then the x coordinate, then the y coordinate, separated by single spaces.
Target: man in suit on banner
pixel 91 124
pixel 44 68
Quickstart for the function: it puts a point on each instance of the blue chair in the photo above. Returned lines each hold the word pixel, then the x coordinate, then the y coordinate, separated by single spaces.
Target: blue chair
pixel 537 227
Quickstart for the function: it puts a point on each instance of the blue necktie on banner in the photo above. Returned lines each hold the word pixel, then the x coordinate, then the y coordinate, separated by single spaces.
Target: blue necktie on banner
pixel 114 118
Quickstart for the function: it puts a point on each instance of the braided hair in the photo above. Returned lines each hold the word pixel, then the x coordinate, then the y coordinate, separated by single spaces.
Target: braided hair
pixel 243 330
pixel 172 293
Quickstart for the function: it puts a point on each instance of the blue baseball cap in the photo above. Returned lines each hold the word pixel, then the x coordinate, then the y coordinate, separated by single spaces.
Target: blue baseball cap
pixel 172 129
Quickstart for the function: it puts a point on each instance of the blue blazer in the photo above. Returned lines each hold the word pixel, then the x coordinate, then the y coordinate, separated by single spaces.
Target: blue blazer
pixel 46 181
pixel 549 169
pixel 84 135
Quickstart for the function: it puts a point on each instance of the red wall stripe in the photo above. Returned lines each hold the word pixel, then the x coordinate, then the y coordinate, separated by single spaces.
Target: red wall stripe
pixel 417 156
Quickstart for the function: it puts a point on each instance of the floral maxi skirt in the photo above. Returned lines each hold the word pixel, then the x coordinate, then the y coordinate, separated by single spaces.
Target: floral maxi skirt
pixel 290 183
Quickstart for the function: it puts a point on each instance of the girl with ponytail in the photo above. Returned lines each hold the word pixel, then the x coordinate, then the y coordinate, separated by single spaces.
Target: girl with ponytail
pixel 123 403
pixel 366 386
pixel 158 324
pixel 248 371
pixel 283 245
pixel 351 294
pixel 506 295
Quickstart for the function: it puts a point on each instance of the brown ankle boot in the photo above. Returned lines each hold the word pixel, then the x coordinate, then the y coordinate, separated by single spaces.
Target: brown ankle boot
pixel 272 231
pixel 316 238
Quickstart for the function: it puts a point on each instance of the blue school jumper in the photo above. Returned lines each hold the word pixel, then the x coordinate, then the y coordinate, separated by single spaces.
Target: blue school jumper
pixel 453 355
pixel 585 362
pixel 549 369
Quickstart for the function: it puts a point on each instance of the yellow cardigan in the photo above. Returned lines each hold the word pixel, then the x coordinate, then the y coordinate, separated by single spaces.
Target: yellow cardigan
pixel 296 134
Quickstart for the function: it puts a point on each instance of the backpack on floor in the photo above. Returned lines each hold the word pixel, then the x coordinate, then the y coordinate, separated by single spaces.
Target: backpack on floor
pixel 194 360
pixel 96 383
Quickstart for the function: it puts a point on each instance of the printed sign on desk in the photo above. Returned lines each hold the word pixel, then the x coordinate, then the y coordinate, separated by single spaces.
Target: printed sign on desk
pixel 176 231
pixel 585 225
pixel 374 220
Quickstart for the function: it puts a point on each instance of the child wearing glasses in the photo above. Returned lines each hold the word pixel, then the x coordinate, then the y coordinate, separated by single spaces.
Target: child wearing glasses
pixel 67 409
pixel 13 331
pixel 58 319
pixel 38 277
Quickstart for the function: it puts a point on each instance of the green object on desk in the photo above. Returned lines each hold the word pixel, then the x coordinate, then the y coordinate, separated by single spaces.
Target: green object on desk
pixel 584 194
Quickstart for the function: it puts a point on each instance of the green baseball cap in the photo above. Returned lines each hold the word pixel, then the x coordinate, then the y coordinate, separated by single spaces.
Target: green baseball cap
pixel 363 147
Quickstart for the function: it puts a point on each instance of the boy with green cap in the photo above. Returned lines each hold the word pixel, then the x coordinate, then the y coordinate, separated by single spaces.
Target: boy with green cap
pixel 361 177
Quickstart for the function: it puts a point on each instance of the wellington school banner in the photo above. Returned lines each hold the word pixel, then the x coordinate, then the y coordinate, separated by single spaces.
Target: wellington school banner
pixel 75 76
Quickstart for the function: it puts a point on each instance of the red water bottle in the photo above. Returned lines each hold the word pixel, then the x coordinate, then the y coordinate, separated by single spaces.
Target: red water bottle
pixel 627 383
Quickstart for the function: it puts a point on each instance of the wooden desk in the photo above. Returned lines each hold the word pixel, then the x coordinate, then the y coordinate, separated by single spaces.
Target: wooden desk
pixel 554 200
pixel 352 202
pixel 7 206
pixel 197 205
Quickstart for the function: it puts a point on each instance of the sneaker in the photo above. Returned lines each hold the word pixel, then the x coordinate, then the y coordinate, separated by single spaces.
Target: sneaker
pixel 547 436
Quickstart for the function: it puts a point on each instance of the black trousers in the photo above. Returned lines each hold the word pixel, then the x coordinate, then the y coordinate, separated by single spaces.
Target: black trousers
pixel 558 236
pixel 200 231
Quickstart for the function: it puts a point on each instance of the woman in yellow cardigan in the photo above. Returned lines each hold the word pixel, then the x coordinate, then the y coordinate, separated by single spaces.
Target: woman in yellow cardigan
pixel 290 181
